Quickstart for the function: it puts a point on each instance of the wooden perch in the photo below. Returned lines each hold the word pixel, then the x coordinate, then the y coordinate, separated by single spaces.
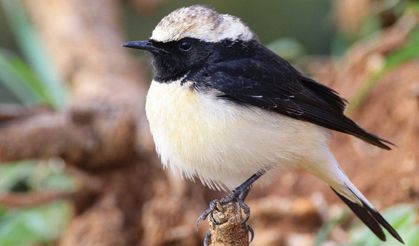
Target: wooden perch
pixel 228 226
pixel 17 200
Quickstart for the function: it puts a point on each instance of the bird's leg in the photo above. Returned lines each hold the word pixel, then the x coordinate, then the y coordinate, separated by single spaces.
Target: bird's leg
pixel 238 195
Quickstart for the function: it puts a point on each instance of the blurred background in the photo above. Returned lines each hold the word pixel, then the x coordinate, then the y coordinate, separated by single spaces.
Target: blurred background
pixel 77 162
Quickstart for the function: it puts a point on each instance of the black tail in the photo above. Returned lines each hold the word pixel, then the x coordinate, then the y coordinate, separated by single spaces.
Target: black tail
pixel 371 218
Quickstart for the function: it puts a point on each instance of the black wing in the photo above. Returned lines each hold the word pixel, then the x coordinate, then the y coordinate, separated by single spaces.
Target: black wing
pixel 273 84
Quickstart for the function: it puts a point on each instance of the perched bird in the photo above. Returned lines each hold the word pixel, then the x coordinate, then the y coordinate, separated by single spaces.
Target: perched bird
pixel 225 109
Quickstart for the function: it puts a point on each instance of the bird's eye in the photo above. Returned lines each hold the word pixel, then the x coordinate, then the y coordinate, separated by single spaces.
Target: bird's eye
pixel 185 45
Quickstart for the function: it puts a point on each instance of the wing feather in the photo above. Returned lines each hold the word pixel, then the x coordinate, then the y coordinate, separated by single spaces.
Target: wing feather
pixel 273 84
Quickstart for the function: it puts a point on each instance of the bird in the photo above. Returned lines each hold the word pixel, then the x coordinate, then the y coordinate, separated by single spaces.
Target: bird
pixel 224 109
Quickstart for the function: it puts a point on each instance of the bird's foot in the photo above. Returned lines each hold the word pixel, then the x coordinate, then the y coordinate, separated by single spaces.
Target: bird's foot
pixel 237 196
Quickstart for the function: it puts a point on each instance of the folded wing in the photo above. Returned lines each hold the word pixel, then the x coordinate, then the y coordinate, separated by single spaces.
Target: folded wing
pixel 274 85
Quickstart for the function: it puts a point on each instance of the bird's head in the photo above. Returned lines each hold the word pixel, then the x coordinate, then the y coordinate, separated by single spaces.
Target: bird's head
pixel 187 37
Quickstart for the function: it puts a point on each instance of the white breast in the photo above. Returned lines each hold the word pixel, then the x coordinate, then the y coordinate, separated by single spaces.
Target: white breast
pixel 220 142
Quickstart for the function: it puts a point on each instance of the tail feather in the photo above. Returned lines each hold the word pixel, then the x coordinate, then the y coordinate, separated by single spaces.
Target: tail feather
pixel 328 169
pixel 370 216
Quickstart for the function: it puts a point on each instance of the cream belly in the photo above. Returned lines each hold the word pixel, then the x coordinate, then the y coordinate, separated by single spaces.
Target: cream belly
pixel 222 143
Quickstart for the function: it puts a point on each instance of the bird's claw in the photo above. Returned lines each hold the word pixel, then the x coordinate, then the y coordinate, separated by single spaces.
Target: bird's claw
pixel 208 211
pixel 246 210
pixel 251 232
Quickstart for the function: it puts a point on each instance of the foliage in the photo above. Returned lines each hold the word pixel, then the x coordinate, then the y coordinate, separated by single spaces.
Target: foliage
pixel 403 217
pixel 34 176
pixel 373 24
pixel 18 77
pixel 36 81
pixel 33 225
pixel 32 80
pixel 408 52
pixel 39 224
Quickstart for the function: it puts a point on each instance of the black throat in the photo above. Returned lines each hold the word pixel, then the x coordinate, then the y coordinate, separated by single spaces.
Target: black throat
pixel 178 63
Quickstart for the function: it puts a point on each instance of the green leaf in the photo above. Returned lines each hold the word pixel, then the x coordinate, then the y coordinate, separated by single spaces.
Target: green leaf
pixel 13 80
pixel 21 80
pixel 35 54
pixel 34 225
pixel 413 6
pixel 408 52
pixel 36 176
pixel 11 174
pixel 402 217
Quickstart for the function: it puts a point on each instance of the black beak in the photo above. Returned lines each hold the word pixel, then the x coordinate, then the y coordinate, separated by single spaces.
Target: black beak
pixel 143 45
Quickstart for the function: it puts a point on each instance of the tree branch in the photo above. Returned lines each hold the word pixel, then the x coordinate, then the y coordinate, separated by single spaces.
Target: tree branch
pixel 96 133
pixel 14 200
pixel 10 112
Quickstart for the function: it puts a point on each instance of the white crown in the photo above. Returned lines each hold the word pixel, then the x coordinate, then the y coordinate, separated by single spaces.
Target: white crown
pixel 202 23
